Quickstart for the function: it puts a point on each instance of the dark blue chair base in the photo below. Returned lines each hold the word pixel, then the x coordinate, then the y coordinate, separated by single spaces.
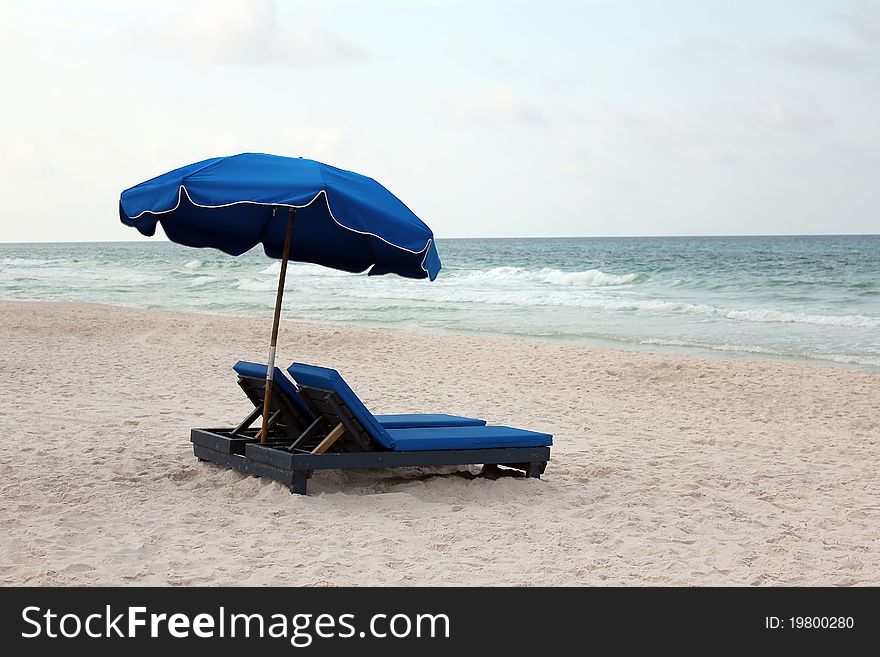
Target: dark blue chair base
pixel 293 469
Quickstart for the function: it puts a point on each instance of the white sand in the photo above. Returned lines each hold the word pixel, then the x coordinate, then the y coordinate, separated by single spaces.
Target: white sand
pixel 665 470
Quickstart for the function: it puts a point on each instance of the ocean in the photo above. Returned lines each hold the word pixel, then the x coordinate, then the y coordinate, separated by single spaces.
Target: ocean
pixel 811 298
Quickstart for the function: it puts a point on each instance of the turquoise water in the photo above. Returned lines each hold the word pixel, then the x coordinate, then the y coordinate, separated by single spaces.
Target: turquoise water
pixel 804 298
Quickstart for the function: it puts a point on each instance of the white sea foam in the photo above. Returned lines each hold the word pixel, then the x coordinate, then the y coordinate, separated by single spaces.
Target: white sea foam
pixel 302 269
pixel 588 278
pixel 775 316
pixel 253 285
pixel 455 292
pixel 70 275
pixel 649 305
pixel 198 281
pixel 22 262
pixel 134 278
pixel 844 359
pixel 619 300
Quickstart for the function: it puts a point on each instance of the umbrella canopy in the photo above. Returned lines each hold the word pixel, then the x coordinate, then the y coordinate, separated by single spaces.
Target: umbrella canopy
pixel 297 209
pixel 343 220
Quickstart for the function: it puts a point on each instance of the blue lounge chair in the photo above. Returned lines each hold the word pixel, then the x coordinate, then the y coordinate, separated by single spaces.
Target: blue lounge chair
pixel 344 434
pixel 289 411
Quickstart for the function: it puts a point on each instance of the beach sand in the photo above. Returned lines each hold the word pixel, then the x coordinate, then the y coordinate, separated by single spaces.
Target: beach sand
pixel 664 469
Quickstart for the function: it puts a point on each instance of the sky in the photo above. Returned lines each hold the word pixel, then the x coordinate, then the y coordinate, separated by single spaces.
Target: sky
pixel 488 119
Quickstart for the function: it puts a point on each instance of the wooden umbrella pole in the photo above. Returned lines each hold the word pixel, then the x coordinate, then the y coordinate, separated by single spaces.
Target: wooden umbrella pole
pixel 270 365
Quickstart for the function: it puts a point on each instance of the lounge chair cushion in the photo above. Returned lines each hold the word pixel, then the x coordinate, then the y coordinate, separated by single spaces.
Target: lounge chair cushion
pixel 420 439
pixel 422 420
pixel 323 378
pixel 415 439
pixel 258 371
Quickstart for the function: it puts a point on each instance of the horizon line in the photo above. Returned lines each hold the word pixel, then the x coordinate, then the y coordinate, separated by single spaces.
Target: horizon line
pixel 486 237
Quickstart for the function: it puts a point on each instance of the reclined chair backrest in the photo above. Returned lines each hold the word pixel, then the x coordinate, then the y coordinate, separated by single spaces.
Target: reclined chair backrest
pixel 328 394
pixel 295 415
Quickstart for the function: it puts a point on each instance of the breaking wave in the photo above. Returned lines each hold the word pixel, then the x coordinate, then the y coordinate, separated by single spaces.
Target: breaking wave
pixel 588 278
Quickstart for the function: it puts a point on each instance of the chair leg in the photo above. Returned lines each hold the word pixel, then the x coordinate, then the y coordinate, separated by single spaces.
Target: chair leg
pixel 300 482
pixel 534 470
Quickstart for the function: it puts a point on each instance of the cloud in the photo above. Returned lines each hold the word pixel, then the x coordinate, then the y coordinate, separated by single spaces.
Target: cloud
pixel 12 38
pixel 314 142
pixel 741 122
pixel 864 20
pixel 247 33
pixel 478 55
pixel 325 143
pixel 787 114
pixel 497 104
pixel 811 52
pixel 807 52
pixel 23 154
pixel 709 44
pixel 794 113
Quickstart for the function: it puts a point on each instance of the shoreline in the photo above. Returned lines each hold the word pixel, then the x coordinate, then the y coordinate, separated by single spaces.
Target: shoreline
pixel 664 470
pixel 608 344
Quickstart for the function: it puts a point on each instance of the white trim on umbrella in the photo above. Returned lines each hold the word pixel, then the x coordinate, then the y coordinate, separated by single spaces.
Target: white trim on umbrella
pixel 183 190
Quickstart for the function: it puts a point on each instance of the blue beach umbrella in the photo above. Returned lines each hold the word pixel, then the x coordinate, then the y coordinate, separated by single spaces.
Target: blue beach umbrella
pixel 298 209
